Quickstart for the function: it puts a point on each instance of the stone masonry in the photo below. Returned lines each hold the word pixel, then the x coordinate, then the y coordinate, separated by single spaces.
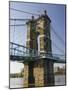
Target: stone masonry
pixel 40 72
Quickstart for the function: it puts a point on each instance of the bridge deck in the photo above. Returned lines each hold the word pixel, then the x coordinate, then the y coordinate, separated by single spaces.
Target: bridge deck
pixel 21 54
pixel 24 59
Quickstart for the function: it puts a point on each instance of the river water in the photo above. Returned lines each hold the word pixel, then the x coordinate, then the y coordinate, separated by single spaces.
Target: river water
pixel 18 82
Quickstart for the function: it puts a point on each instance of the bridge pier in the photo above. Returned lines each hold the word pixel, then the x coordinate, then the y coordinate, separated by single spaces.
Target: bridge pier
pixel 39 73
pixel 44 73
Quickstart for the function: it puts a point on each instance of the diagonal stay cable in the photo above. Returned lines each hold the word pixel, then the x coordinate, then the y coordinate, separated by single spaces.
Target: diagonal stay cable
pixel 52 41
pixel 24 11
pixel 55 44
pixel 61 40
pixel 19 25
pixel 19 19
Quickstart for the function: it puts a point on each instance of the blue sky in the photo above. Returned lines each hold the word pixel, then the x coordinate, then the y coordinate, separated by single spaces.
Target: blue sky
pixel 56 14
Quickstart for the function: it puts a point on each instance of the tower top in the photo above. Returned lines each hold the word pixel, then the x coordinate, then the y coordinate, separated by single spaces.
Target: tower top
pixel 45 16
pixel 31 20
pixel 45 12
pixel 32 17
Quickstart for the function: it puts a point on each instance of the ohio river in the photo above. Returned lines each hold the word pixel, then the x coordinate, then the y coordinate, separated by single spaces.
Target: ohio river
pixel 18 82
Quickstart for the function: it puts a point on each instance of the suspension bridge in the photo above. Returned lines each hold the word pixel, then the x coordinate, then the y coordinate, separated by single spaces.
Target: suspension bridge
pixel 38 65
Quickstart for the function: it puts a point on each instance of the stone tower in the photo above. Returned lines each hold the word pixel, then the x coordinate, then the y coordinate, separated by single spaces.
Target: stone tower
pixel 39 72
pixel 45 72
pixel 29 80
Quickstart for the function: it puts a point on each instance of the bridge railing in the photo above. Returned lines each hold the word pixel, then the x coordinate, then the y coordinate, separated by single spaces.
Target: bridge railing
pixel 52 56
pixel 20 50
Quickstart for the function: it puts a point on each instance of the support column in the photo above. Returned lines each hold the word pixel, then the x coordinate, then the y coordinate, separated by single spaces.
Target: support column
pixel 26 71
pixel 48 73
pixel 31 79
pixel 39 73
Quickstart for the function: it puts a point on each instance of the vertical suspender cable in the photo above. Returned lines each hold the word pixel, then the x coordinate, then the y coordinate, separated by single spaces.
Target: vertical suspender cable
pixel 14 31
